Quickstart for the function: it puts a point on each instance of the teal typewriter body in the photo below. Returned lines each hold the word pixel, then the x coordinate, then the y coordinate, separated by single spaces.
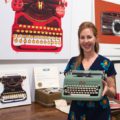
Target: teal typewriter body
pixel 83 85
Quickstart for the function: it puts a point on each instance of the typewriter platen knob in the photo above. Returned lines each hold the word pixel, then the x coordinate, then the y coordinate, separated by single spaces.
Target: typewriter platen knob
pixel 116 26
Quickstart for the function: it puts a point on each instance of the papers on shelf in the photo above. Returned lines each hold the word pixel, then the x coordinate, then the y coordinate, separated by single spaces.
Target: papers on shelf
pixel 46 77
pixel 61 105
pixel 114 105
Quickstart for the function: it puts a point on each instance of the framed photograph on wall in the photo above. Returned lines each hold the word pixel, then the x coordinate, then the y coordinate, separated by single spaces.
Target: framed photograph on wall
pixel 35 29
pixel 14 88
pixel 107 20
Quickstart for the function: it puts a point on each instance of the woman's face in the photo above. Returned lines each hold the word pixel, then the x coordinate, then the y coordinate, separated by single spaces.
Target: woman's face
pixel 87 40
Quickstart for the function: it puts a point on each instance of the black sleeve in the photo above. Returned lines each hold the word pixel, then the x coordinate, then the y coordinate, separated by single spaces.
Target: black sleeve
pixel 111 71
pixel 70 65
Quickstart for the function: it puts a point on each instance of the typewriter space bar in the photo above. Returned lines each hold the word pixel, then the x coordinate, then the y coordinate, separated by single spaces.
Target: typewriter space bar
pixel 81 95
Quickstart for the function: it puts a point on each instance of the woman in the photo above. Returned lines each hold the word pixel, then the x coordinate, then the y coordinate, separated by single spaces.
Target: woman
pixel 89 59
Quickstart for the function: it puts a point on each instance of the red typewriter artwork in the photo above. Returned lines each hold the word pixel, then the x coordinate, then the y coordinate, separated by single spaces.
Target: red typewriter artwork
pixel 37 25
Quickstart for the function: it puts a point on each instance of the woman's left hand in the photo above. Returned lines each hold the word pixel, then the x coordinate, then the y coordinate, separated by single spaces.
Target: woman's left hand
pixel 105 87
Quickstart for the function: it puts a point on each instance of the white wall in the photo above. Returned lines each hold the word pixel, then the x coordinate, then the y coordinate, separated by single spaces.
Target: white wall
pixel 82 10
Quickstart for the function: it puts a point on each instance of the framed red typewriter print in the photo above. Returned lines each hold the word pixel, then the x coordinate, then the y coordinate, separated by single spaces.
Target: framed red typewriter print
pixel 36 27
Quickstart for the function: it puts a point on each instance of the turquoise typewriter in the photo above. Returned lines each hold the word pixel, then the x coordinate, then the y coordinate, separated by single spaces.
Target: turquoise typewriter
pixel 83 85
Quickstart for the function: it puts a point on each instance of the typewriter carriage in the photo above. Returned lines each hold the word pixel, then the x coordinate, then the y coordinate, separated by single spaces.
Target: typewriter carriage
pixel 12 81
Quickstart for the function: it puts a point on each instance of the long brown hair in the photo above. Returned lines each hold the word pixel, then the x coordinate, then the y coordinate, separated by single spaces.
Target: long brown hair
pixel 96 47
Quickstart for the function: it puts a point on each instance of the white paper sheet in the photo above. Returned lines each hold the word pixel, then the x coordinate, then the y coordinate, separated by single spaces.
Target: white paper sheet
pixel 46 76
pixel 61 105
